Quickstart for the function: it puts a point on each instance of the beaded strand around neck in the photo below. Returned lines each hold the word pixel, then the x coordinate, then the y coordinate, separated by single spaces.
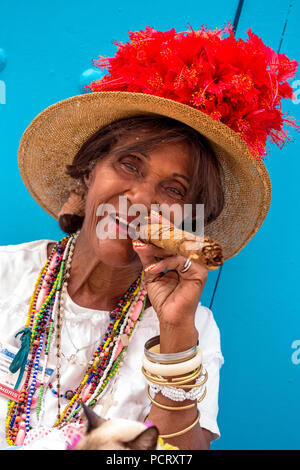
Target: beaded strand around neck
pixel 46 310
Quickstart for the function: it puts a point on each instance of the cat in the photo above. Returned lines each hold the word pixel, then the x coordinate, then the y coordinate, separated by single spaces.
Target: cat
pixel 117 434
pixel 97 434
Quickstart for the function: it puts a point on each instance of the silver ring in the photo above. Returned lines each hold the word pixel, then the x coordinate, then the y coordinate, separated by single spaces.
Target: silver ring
pixel 186 266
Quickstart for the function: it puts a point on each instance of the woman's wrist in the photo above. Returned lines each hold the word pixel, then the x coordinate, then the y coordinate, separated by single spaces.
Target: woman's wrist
pixel 176 339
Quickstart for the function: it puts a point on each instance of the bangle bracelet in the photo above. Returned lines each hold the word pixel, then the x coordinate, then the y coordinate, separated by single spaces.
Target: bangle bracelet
pixel 173 383
pixel 179 433
pixel 170 370
pixel 199 384
pixel 152 352
pixel 178 385
pixel 174 380
pixel 191 376
pixel 203 396
pixel 165 407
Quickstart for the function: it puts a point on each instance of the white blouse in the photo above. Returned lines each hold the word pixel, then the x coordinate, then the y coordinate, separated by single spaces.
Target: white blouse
pixel 82 331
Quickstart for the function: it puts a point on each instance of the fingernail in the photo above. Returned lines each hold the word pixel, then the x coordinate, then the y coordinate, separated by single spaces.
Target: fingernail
pixel 150 267
pixel 156 214
pixel 138 244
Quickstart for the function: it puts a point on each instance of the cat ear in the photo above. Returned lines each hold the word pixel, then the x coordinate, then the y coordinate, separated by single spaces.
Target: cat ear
pixel 93 420
pixel 147 440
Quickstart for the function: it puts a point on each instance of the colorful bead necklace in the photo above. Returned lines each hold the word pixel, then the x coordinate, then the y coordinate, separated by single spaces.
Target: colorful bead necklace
pixel 44 319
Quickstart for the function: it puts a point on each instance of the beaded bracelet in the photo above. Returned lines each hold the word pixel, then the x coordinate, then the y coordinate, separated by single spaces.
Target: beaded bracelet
pixel 177 394
pixel 166 407
pixel 175 390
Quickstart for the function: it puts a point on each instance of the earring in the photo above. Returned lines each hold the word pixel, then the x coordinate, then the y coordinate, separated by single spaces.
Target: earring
pixel 75 204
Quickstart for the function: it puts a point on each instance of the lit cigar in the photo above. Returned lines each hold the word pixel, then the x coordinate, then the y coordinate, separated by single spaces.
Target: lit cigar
pixel 204 251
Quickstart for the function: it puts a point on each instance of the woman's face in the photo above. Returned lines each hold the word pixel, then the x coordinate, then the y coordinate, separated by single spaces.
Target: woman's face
pixel 158 176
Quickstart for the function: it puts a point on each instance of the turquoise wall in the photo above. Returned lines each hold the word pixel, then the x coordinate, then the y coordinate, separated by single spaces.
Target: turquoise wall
pixel 48 46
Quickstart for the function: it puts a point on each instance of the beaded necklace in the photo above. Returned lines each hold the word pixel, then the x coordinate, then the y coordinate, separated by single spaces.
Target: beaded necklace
pixel 44 319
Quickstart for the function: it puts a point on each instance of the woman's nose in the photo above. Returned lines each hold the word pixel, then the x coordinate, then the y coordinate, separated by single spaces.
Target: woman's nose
pixel 142 193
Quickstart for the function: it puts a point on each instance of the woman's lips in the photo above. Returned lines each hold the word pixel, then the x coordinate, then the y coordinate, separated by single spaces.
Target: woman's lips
pixel 122 229
pixel 121 225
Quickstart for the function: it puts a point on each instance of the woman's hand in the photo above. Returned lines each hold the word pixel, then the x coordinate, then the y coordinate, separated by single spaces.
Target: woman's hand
pixel 174 295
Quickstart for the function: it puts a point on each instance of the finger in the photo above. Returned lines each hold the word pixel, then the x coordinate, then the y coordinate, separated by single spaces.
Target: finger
pixel 177 263
pixel 148 253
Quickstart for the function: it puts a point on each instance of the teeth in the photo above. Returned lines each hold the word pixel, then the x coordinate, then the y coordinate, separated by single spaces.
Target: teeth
pixel 121 220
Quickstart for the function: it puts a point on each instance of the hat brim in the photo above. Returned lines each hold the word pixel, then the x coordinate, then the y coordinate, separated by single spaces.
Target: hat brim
pixel 53 138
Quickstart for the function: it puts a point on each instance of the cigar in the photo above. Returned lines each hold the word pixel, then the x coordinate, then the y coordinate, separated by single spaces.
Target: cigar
pixel 202 250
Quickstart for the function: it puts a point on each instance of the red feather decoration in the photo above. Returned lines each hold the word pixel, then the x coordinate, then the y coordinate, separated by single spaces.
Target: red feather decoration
pixel 240 83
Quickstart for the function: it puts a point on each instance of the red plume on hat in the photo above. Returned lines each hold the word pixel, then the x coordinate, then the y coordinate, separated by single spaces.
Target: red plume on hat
pixel 240 83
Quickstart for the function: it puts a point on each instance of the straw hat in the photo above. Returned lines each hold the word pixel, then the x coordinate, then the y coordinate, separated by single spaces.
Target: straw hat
pixel 157 73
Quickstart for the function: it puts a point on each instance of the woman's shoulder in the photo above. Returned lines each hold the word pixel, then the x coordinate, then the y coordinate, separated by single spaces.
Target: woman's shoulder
pixel 19 262
pixel 27 252
pixel 28 247
pixel 20 266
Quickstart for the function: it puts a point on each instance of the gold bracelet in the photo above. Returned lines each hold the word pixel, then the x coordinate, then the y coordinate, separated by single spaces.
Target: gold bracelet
pixel 164 381
pixel 195 385
pixel 177 384
pixel 202 396
pixel 154 379
pixel 171 408
pixel 179 433
pixel 186 385
pixel 191 376
pixel 157 380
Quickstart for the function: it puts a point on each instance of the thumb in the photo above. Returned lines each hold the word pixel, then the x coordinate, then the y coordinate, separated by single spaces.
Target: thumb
pixel 144 252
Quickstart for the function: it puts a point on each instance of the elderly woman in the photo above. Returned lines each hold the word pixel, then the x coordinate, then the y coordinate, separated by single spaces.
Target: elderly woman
pixel 93 303
pixel 164 166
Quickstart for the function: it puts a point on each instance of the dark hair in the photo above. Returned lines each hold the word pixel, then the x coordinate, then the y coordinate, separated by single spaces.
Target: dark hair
pixel 207 182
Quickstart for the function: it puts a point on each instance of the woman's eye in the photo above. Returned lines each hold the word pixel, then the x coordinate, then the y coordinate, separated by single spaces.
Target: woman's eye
pixel 130 166
pixel 176 192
